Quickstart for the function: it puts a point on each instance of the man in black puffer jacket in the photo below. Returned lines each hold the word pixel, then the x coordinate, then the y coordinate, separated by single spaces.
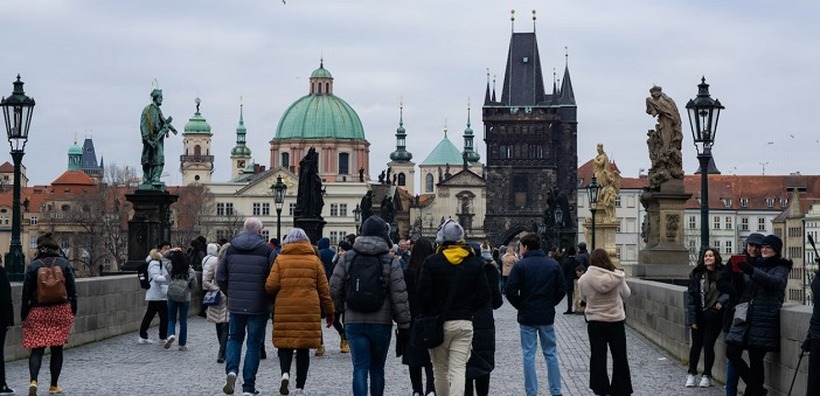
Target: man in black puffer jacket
pixel 763 289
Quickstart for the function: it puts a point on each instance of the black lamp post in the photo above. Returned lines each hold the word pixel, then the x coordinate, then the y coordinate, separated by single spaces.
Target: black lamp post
pixel 278 200
pixel 559 222
pixel 357 216
pixel 704 113
pixel 592 192
pixel 17 110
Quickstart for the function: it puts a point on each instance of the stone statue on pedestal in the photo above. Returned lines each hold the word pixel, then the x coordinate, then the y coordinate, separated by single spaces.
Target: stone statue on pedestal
pixel 309 202
pixel 610 182
pixel 154 128
pixel 665 140
pixel 366 205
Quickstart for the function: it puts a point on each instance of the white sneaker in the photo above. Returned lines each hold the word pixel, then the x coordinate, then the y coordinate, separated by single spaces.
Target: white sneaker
pixel 230 383
pixel 299 392
pixel 171 339
pixel 144 341
pixel 690 381
pixel 705 382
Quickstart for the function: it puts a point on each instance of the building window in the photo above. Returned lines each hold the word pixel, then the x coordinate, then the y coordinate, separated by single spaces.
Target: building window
pixel 784 202
pixel 716 222
pixel 265 234
pixel 618 201
pixel 769 202
pixel 343 210
pixel 228 208
pixel 285 162
pixel 220 209
pixel 618 222
pixel 692 222
pixel 33 221
pixel 402 179
pixel 519 185
pixel 257 208
pixel 744 224
pixel 729 222
pixel 761 224
pixel 728 247
pixel 291 208
pixel 334 210
pixel 716 245
pixel 618 252
pixel 265 208
pixel 344 163
pixel 32 242
pixel 744 202
pixel 428 183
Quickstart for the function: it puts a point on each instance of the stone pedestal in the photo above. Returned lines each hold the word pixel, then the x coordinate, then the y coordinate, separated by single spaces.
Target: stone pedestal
pixel 664 256
pixel 313 226
pixel 150 224
pixel 604 235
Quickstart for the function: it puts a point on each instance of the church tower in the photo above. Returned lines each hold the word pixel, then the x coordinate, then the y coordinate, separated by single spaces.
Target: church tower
pixel 531 140
pixel 197 164
pixel 240 154
pixel 400 160
pixel 75 157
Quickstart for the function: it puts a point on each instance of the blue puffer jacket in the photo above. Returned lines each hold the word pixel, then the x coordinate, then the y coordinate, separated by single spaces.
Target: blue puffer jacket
pixel 764 289
pixel 242 273
pixel 535 286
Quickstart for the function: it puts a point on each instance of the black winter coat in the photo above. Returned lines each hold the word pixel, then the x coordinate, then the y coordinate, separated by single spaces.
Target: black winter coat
pixel 814 323
pixel 482 358
pixel 414 355
pixel 732 284
pixel 694 305
pixel 6 306
pixel 568 266
pixel 436 280
pixel 764 289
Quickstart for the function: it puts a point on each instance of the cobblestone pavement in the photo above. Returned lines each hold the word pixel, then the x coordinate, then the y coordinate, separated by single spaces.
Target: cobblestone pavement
pixel 118 366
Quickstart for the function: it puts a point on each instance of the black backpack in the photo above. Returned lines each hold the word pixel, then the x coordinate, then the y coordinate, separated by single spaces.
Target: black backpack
pixel 143 276
pixel 365 283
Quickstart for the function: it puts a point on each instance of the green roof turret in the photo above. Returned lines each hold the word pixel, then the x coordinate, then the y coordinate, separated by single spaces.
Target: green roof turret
pixel 445 153
pixel 401 154
pixel 469 149
pixel 75 156
pixel 197 124
pixel 241 150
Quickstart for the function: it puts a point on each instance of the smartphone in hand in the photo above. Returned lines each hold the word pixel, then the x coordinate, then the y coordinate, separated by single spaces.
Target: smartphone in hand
pixel 735 261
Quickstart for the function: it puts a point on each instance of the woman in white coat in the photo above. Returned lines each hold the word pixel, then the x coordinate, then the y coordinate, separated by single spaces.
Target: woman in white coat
pixel 156 296
pixel 218 313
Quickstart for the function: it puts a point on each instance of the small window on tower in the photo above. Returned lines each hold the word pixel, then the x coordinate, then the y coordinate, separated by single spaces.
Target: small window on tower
pixel 519 185
pixel 526 59
pixel 402 179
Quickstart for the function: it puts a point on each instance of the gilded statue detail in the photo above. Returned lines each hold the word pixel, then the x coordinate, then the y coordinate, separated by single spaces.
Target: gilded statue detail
pixel 610 183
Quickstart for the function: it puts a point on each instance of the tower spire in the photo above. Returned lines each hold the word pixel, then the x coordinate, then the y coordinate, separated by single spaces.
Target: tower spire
pixel 487 92
pixel 469 153
pixel 512 21
pixel 401 154
pixel 533 21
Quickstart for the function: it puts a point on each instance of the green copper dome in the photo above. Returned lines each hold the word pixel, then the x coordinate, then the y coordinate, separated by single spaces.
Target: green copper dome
pixel 75 150
pixel 321 72
pixel 197 124
pixel 320 116
pixel 444 153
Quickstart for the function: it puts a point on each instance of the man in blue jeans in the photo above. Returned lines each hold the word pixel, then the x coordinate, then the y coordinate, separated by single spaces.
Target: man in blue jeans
pixel 535 286
pixel 369 333
pixel 241 276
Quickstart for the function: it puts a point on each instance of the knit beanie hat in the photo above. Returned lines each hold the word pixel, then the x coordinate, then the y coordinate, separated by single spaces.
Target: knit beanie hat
pixel 754 239
pixel 450 232
pixel 375 226
pixel 774 241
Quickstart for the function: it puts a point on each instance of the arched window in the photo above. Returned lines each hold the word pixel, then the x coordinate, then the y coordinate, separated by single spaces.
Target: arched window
pixel 402 180
pixel 197 150
pixel 428 182
pixel 344 163
pixel 285 160
pixel 327 87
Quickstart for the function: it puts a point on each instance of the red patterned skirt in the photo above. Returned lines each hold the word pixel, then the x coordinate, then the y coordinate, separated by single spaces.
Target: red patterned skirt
pixel 47 326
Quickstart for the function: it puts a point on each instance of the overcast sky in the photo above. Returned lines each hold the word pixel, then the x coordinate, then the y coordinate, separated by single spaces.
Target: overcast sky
pixel 90 67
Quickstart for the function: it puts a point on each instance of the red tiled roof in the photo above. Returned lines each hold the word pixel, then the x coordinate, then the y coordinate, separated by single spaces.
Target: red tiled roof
pixel 73 178
pixel 756 188
pixel 6 167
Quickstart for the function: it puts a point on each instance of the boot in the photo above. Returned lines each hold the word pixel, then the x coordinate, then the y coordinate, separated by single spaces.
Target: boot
pixel 343 346
pixel 222 334
pixel 320 351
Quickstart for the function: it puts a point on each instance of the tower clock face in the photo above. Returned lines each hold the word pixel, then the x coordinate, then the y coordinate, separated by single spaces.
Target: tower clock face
pixel 240 164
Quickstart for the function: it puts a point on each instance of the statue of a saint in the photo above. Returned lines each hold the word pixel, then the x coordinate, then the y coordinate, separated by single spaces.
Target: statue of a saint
pixel 381 178
pixel 387 177
pixel 309 201
pixel 154 129
pixel 361 175
pixel 610 184
pixel 664 141
pixel 366 205
pixel 387 209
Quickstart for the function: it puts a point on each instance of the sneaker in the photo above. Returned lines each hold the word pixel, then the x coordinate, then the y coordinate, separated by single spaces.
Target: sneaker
pixel 255 392
pixel 55 390
pixel 705 382
pixel 690 381
pixel 230 381
pixel 169 341
pixel 345 347
pixel 142 341
pixel 320 351
pixel 183 348
pixel 5 390
pixel 299 392
pixel 283 388
pixel 32 388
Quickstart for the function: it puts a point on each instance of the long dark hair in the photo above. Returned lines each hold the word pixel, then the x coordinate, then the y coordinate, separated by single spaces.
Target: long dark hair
pixel 422 248
pixel 702 265
pixel 600 258
pixel 179 264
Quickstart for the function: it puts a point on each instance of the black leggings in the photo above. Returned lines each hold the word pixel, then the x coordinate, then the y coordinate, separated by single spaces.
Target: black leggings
pixel 302 364
pixel 482 386
pixel 55 365
pixel 704 338
pixel 415 379
pixel 752 374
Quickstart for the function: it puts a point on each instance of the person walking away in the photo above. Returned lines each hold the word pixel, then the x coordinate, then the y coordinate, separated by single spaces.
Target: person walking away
pixel 731 282
pixel 812 343
pixel 326 254
pixel 579 303
pixel 508 260
pixel 583 254
pixel 369 326
pixel 482 357
pixel 156 295
pixel 47 323
pixel 455 267
pixel 6 322
pixel 183 280
pixel 338 324
pixel 604 289
pixel 241 275
pixel 568 265
pixel 536 285
pixel 763 290
pixel 416 357
pixel 298 283
pixel 704 315
pixel 217 314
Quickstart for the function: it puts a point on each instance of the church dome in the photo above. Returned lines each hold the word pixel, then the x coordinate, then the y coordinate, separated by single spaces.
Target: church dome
pixel 320 114
pixel 197 123
pixel 75 150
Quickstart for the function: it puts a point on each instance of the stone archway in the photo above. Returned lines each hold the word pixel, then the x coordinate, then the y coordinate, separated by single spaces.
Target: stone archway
pixel 511 233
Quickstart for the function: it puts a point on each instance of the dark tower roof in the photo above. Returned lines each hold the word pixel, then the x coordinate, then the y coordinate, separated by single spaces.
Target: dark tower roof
pixel 523 80
pixel 567 94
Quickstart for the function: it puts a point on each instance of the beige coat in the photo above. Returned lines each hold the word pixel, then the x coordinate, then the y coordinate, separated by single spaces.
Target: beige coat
pixel 216 313
pixel 298 283
pixel 507 262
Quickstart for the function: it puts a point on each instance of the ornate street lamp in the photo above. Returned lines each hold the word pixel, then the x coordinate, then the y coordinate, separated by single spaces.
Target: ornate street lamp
pixel 278 200
pixel 17 110
pixel 559 223
pixel 592 193
pixel 357 216
pixel 704 113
